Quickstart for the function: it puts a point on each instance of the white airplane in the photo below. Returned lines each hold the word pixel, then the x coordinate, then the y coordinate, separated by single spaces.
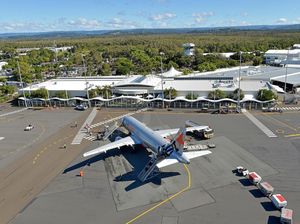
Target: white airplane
pixel 164 152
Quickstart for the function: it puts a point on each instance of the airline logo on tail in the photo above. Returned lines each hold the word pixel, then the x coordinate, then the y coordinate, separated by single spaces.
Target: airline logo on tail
pixel 179 139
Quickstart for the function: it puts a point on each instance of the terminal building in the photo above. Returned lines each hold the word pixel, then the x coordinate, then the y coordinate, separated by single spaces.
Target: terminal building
pixel 148 89
pixel 283 57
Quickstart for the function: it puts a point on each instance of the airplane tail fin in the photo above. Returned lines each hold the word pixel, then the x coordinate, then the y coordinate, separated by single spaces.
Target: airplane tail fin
pixel 179 139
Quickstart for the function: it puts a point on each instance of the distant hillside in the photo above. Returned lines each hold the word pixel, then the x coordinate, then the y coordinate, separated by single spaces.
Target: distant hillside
pixel 61 34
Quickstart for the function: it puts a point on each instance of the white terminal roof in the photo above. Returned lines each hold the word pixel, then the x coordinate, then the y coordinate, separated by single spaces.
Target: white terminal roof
pixel 293 79
pixel 208 85
pixel 139 80
pixel 75 84
pixel 296 45
pixel 172 73
pixel 293 51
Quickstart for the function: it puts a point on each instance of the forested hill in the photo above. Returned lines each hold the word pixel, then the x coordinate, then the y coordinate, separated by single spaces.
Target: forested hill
pixel 61 34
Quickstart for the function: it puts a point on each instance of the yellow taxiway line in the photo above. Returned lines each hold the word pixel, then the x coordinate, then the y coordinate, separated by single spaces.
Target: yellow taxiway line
pixel 166 200
pixel 293 135
pixel 34 161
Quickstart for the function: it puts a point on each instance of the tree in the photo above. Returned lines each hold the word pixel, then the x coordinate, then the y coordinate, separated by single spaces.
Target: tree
pixel 257 61
pixel 170 93
pixel 191 96
pixel 216 94
pixel 106 70
pixel 26 71
pixel 234 95
pixel 105 91
pixel 5 90
pixel 61 94
pixel 93 93
pixel 40 93
pixel 3 79
pixel 265 95
pixel 124 66
pixel 186 71
pixel 207 66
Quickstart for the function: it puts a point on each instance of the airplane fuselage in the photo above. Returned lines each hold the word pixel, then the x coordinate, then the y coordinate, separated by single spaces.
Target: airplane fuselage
pixel 144 134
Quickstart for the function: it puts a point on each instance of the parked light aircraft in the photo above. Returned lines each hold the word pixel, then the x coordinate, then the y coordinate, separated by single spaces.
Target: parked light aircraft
pixel 164 152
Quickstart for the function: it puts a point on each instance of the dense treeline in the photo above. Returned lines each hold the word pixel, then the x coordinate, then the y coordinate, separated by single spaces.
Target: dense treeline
pixel 139 54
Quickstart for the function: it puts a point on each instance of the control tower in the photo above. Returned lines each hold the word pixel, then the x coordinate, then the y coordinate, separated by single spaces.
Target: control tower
pixel 189 49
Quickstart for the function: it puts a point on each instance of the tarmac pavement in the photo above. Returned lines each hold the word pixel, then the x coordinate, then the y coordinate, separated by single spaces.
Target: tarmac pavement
pixel 109 193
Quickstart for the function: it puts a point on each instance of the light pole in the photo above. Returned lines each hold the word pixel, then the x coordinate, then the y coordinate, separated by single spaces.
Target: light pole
pixel 86 82
pixel 25 100
pixel 239 90
pixel 286 72
pixel 162 80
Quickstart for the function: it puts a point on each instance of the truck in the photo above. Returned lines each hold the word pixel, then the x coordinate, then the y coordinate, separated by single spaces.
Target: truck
pixel 278 201
pixel 29 127
pixel 286 216
pixel 200 131
pixel 265 188
pixel 242 171
pixel 271 109
pixel 254 178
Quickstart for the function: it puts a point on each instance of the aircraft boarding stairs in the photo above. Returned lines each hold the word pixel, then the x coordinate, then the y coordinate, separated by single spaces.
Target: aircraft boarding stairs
pixel 149 171
pixel 110 130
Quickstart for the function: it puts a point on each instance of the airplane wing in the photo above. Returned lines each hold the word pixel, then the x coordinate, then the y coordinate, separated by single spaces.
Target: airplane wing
pixel 130 140
pixel 168 132
pixel 169 161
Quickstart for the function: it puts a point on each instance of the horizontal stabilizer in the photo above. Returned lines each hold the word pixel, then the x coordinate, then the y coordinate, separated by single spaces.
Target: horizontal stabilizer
pixel 194 154
pixel 190 155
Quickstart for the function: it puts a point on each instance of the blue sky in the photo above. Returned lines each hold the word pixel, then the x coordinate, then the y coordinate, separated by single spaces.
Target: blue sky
pixel 56 15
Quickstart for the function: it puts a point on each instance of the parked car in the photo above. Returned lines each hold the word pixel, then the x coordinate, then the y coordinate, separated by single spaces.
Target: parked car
pixel 81 107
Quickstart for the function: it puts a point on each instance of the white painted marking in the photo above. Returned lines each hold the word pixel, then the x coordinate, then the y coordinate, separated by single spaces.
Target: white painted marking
pixel 117 118
pixel 260 125
pixel 82 131
pixel 13 112
pixel 90 138
pixel 1 138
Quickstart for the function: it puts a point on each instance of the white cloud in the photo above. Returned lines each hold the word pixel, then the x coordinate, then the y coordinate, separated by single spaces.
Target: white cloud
pixel 163 16
pixel 85 23
pixel 120 23
pixel 22 26
pixel 201 18
pixel 281 21
pixel 59 24
pixel 245 23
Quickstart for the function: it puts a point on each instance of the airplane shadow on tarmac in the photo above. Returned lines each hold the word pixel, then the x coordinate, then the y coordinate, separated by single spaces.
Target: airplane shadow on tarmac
pixel 137 158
